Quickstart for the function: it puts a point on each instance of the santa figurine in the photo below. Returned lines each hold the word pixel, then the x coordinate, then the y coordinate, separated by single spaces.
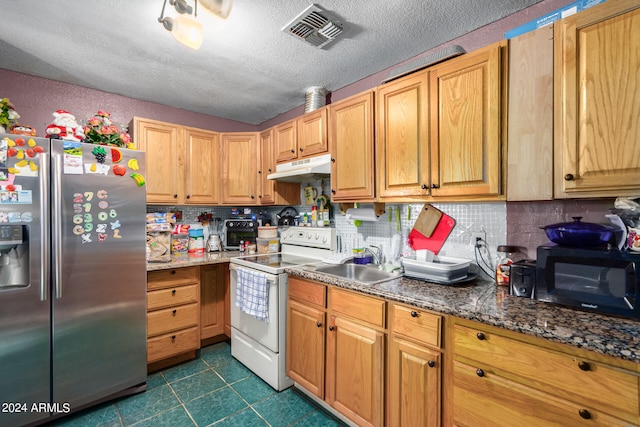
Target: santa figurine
pixel 65 126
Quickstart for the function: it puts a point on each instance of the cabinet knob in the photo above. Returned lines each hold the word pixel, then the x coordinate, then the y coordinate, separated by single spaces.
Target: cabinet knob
pixel 260 196
pixel 424 186
pixel 414 314
pixel 175 196
pixel 333 160
pixel 253 197
pixel 585 414
pixel 569 177
pixel 259 172
pixel 173 338
pixel 293 151
pixel 173 272
pixel 269 169
pixel 173 292
pixel 331 328
pixel 480 373
pixel 301 149
pixel 480 336
pixel 333 191
pixel 431 363
pixel 174 312
pixel 188 196
pixel 435 186
pixel 319 325
pixel 584 366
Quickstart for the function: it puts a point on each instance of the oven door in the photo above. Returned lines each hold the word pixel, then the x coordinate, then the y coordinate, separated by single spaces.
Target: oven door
pixel 258 330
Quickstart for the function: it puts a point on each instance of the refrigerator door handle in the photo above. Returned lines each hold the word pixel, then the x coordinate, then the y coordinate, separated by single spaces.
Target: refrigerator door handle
pixel 44 228
pixel 56 217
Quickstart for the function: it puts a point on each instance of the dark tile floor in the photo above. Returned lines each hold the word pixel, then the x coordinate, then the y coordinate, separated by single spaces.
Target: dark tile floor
pixel 212 390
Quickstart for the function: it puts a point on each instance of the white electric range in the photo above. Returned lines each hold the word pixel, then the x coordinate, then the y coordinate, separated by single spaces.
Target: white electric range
pixel 261 345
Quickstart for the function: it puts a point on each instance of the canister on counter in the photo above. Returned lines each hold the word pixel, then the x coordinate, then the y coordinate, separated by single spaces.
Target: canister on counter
pixel 503 267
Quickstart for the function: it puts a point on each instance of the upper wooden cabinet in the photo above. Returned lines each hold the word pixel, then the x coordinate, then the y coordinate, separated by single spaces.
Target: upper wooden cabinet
pixel 239 152
pixel 402 145
pixel 302 137
pixel 596 101
pixel 272 192
pixel 530 134
pixel 182 163
pixel 351 140
pixel 466 109
pixel 202 173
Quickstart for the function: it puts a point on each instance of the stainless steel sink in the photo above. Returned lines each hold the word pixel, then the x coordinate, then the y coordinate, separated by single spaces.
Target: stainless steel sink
pixel 369 275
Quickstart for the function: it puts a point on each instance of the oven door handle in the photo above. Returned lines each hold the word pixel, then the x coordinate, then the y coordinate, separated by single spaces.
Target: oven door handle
pixel 271 279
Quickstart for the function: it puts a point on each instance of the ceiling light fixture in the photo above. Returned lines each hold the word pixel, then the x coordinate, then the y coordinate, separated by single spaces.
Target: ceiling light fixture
pixel 185 29
pixel 221 8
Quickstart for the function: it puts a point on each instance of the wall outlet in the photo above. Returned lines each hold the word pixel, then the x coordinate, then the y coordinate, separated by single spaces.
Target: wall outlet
pixel 475 235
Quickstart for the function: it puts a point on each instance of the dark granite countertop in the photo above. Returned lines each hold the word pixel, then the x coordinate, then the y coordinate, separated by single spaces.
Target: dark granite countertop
pixel 492 305
pixel 191 260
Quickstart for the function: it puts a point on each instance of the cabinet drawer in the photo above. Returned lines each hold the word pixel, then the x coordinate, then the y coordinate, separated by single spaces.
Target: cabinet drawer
pixel 172 319
pixel 491 400
pixel 173 277
pixel 313 293
pixel 169 297
pixel 610 389
pixel 367 309
pixel 417 324
pixel 164 346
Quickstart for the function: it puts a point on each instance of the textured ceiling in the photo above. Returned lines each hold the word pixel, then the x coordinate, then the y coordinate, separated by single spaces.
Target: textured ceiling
pixel 247 69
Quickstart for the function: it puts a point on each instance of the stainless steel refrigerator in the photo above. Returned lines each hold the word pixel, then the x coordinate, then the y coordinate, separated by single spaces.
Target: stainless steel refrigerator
pixel 72 276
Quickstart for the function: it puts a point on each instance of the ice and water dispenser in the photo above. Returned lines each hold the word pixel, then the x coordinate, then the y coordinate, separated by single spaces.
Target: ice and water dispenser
pixel 14 257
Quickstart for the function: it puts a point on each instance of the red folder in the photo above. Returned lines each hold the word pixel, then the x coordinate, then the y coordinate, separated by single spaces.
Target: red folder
pixel 435 242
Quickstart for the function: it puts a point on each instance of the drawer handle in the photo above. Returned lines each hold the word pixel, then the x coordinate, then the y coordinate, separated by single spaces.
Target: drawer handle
pixel 174 312
pixel 173 272
pixel 480 373
pixel 480 336
pixel 319 325
pixel 331 328
pixel 431 363
pixel 584 366
pixel 585 414
pixel 173 292
pixel 173 338
pixel 414 314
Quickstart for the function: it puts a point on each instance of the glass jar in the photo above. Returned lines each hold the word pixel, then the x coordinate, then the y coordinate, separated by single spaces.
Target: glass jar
pixel 503 267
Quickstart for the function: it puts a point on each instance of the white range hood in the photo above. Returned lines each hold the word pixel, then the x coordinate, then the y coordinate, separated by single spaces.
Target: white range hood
pixel 313 168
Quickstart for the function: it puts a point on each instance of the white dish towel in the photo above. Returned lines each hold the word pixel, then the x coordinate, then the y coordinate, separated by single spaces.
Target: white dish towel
pixel 252 293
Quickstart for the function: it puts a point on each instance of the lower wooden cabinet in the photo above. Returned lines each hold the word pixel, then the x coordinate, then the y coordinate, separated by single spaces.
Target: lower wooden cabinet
pixel 214 279
pixel 348 373
pixel 501 378
pixel 414 367
pixel 173 312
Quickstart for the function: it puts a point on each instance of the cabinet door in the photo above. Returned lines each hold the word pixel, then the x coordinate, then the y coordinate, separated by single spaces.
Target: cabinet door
pixel 596 101
pixel 305 346
pixel 402 149
pixel 239 167
pixel 414 385
pixel 212 306
pixel 530 134
pixel 286 141
pixel 465 98
pixel 202 173
pixel 312 133
pixel 266 190
pixel 352 145
pixel 355 371
pixel 162 144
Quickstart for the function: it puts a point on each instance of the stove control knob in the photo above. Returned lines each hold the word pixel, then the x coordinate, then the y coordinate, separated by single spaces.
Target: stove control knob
pixel 317 236
pixel 308 236
pixel 250 224
pixel 230 224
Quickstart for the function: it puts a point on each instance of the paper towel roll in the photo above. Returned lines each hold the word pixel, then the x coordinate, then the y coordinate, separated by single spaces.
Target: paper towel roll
pixel 363 214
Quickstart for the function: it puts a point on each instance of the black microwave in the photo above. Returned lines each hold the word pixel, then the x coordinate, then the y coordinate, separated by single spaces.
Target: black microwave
pixel 604 281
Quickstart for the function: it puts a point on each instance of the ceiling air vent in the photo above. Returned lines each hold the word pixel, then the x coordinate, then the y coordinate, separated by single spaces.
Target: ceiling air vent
pixel 314 26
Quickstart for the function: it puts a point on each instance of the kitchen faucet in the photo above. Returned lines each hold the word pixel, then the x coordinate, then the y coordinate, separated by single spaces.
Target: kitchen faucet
pixel 377 254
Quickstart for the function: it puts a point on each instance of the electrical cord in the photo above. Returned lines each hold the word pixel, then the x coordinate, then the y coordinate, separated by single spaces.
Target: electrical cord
pixel 477 250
